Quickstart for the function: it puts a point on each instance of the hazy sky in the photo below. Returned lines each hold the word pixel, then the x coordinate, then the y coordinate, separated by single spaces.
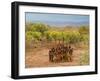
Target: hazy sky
pixel 57 19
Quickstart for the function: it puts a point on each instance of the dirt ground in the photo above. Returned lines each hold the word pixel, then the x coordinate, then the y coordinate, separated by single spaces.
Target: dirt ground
pixel 40 58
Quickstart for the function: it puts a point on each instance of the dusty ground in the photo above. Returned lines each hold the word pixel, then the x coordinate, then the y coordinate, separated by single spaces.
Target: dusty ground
pixel 40 58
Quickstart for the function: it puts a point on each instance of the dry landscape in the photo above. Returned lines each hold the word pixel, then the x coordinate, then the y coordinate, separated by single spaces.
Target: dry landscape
pixel 37 51
pixel 41 59
pixel 53 40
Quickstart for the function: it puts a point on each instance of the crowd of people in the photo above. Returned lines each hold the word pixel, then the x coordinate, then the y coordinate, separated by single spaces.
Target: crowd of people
pixel 61 53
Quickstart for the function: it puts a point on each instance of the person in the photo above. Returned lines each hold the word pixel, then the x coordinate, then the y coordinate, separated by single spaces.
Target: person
pixel 65 55
pixel 70 53
pixel 51 55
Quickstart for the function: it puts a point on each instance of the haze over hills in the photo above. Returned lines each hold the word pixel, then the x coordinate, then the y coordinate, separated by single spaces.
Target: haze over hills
pixel 59 24
pixel 57 19
pixel 63 24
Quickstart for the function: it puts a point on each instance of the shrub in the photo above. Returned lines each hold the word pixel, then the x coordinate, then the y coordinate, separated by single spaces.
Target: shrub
pixel 84 59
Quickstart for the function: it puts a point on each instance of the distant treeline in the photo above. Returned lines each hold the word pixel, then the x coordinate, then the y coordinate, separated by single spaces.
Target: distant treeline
pixel 37 32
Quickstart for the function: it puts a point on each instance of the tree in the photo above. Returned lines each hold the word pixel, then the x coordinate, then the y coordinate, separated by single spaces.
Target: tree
pixel 53 35
pixel 36 35
pixel 32 36
pixel 29 27
pixel 28 36
pixel 84 34
pixel 48 35
pixel 39 27
pixel 36 27
pixel 84 30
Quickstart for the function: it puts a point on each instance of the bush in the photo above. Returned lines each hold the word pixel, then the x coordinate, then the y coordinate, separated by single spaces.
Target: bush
pixel 36 27
pixel 33 36
pixel 84 30
pixel 84 59
pixel 40 31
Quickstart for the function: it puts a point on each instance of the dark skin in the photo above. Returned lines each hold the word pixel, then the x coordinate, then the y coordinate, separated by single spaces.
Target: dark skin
pixel 61 52
pixel 70 54
pixel 51 55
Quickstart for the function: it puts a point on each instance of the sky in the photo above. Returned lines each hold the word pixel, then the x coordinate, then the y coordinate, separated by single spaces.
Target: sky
pixel 57 19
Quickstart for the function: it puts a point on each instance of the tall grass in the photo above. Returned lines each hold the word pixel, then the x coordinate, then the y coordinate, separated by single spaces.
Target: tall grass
pixel 84 58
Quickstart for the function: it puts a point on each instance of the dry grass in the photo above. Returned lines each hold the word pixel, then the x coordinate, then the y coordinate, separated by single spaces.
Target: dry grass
pixel 39 57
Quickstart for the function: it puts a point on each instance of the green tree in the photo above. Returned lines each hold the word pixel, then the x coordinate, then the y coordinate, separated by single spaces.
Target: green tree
pixel 39 27
pixel 84 30
pixel 36 35
pixel 33 36
pixel 48 35
pixel 36 27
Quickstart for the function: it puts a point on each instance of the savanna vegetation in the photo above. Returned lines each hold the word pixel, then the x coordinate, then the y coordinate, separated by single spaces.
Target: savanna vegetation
pixel 40 36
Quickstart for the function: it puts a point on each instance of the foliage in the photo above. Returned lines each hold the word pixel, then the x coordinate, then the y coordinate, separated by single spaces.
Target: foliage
pixel 84 30
pixel 84 59
pixel 33 35
pixel 39 31
pixel 36 27
pixel 72 37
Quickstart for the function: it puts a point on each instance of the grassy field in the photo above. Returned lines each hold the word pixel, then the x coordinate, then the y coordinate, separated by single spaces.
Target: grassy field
pixel 40 38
